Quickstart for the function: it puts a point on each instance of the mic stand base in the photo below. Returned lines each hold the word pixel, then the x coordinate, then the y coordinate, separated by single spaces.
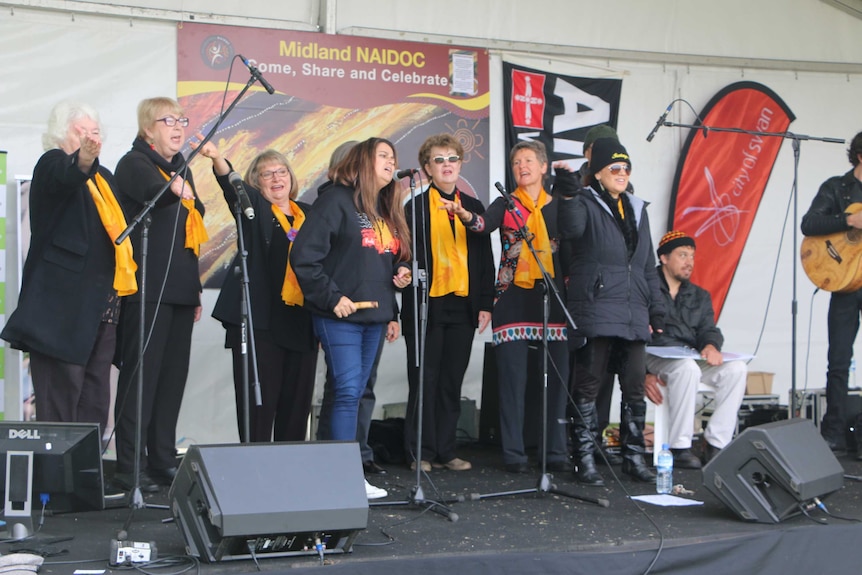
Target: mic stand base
pixel 417 500
pixel 544 485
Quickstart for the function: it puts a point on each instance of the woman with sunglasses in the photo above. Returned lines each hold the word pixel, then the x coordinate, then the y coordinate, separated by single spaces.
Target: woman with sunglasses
pixel 613 297
pixel 460 288
pixel 284 342
pixel 349 257
pixel 173 291
pixel 519 306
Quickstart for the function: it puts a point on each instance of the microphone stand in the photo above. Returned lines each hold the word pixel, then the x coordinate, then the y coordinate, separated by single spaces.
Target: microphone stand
pixel 420 319
pixel 544 484
pixel 247 346
pixel 136 499
pixel 796 139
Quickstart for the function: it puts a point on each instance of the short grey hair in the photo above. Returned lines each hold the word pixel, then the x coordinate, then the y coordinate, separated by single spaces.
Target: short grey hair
pixel 62 116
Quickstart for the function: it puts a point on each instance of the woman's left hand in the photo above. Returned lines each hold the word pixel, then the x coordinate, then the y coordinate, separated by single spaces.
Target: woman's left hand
pixel 403 278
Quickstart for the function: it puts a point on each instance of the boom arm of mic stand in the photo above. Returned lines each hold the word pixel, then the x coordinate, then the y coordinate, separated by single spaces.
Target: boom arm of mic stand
pixel 148 206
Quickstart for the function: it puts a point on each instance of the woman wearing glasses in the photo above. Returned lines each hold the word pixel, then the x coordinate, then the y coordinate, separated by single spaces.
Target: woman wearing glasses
pixel 614 298
pixel 285 346
pixel 173 290
pixel 349 258
pixel 460 288
pixel 519 309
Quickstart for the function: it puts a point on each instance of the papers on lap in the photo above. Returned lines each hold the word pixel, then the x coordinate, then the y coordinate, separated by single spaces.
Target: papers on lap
pixel 681 352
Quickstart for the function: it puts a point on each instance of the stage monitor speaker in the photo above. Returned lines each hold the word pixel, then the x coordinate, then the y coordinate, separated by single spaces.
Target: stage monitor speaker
pixel 769 470
pixel 269 499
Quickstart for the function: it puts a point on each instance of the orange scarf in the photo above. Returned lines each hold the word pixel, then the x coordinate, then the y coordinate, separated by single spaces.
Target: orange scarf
pixel 528 270
pixel 290 292
pixel 448 250
pixel 115 223
pixel 196 233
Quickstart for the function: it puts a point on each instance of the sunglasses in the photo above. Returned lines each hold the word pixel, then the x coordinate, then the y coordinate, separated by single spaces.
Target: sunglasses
pixel 170 121
pixel 617 168
pixel 451 159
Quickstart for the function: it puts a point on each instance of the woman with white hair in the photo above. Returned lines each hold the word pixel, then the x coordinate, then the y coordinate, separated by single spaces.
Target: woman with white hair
pixel 69 306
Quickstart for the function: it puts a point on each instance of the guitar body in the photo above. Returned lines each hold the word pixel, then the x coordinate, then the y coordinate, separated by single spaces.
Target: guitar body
pixel 834 262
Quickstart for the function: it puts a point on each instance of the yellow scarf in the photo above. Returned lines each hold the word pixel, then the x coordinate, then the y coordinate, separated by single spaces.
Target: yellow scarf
pixel 290 292
pixel 115 223
pixel 196 233
pixel 448 251
pixel 528 270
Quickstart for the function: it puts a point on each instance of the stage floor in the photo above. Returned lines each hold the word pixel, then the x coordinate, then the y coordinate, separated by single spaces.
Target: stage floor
pixel 530 532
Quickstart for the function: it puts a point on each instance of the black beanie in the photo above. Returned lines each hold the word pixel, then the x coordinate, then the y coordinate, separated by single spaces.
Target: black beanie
pixel 672 240
pixel 607 151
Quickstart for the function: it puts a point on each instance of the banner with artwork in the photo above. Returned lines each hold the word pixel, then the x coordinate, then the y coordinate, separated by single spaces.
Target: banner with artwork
pixel 721 177
pixel 556 110
pixel 328 89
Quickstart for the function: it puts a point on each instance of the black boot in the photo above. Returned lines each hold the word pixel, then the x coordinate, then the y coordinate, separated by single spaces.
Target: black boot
pixel 632 440
pixel 583 435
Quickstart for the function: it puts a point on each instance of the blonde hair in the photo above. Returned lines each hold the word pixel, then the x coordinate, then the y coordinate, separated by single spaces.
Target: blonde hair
pixel 151 109
pixel 252 174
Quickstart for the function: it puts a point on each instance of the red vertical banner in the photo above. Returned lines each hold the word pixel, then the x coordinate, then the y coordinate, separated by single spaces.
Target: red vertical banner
pixel 721 177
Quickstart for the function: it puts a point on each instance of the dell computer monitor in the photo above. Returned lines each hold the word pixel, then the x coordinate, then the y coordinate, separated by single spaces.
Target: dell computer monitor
pixel 67 462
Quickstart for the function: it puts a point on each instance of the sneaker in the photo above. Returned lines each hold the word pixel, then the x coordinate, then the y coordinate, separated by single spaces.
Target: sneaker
pixel 455 464
pixel 425 465
pixel 372 492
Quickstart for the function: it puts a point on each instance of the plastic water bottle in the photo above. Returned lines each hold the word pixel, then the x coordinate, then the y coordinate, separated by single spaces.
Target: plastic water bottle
pixel 664 468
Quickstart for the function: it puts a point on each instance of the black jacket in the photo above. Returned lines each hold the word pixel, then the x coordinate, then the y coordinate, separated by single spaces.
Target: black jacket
pixel 267 246
pixel 480 261
pixel 331 257
pixel 138 181
pixel 608 293
pixel 826 214
pixel 69 272
pixel 690 319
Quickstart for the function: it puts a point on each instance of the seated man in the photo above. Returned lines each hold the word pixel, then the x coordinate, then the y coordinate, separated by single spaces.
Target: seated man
pixel 690 323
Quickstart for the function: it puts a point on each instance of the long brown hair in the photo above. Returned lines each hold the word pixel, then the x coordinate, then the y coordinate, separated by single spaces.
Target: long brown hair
pixel 356 171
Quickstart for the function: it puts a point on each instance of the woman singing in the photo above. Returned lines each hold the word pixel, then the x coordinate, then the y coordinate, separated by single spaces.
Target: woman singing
pixel 349 257
pixel 173 292
pixel 284 342
pixel 518 309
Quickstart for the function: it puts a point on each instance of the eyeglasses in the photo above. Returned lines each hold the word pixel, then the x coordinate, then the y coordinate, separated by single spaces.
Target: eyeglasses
pixel 170 121
pixel 270 174
pixel 451 159
pixel 617 168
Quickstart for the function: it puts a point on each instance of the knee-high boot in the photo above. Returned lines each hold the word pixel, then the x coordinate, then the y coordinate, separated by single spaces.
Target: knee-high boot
pixel 583 434
pixel 632 440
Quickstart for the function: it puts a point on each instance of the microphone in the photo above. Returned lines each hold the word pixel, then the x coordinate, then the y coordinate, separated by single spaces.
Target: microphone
pixel 257 75
pixel 510 203
pixel 236 181
pixel 659 123
pixel 406 173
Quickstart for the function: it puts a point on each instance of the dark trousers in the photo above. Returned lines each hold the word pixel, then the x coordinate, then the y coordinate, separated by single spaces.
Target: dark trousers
pixel 512 369
pixel 166 368
pixel 627 358
pixel 447 353
pixel 843 322
pixel 366 407
pixel 68 392
pixel 286 388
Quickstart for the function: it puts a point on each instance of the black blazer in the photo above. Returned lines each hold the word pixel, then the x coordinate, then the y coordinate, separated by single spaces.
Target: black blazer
pixel 267 246
pixel 480 261
pixel 69 272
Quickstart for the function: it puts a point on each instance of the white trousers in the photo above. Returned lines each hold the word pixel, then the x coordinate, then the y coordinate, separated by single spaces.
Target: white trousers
pixel 682 377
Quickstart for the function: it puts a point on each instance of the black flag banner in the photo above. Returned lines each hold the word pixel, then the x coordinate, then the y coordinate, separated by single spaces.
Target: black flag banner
pixel 556 110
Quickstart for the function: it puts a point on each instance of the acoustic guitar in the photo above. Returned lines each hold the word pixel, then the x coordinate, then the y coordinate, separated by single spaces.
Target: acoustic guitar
pixel 834 262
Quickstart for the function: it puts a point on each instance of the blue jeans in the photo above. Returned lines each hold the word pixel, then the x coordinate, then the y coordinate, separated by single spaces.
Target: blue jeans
pixel 350 350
